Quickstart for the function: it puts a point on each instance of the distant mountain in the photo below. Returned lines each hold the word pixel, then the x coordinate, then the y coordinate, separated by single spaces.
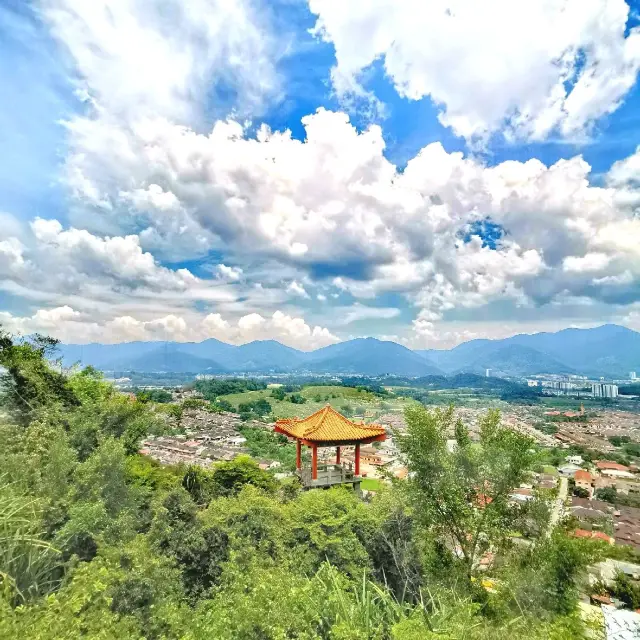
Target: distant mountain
pixel 516 360
pixel 175 361
pixel 608 350
pixel 262 355
pixel 368 356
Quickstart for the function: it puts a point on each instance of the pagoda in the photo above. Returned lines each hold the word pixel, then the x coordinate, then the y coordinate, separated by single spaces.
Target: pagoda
pixel 328 428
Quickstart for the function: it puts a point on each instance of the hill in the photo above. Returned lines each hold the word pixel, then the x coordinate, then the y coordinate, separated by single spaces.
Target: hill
pixel 608 350
pixel 368 356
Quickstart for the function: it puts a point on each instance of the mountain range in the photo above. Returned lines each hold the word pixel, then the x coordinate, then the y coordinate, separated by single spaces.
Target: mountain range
pixel 609 350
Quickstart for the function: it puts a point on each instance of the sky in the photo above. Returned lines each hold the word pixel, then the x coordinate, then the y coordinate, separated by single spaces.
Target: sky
pixel 310 171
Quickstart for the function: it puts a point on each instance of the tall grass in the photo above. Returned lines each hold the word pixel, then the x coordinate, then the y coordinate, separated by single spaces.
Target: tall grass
pixel 28 563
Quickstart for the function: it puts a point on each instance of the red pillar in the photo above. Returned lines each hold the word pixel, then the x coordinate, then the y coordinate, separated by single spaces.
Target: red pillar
pixel 298 455
pixel 337 455
pixel 314 462
pixel 357 458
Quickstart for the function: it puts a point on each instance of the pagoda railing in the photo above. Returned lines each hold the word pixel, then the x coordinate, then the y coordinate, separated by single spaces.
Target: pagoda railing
pixel 328 475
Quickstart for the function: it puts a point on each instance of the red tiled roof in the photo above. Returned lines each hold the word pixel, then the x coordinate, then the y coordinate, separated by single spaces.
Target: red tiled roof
pixel 608 464
pixel 583 476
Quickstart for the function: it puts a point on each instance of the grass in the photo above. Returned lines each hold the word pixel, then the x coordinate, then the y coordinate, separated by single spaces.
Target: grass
pixel 547 468
pixel 318 396
pixel 371 484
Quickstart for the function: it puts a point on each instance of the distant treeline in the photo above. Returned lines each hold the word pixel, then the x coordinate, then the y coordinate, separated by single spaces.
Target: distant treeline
pixel 211 389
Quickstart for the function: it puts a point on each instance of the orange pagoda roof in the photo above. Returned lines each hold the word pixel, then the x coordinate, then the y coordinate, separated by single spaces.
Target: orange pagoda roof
pixel 327 425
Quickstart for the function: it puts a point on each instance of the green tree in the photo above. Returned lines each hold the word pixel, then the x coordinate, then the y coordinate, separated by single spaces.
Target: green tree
pixel 627 590
pixel 278 393
pixel 464 495
pixel 29 382
pixel 228 478
pixel 608 494
pixel 581 492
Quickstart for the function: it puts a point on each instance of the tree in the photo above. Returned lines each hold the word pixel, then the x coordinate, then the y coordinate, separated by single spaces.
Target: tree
pixel 463 496
pixel 581 492
pixel 627 590
pixel 228 478
pixel 29 383
pixel 608 494
pixel 278 393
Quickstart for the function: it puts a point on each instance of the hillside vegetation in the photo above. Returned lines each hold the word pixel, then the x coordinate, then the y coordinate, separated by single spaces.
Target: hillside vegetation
pixel 100 542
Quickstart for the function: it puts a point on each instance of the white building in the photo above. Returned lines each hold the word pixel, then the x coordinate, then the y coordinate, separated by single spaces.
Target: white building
pixel 575 460
pixel 532 383
pixel 487 373
pixel 632 375
pixel 603 390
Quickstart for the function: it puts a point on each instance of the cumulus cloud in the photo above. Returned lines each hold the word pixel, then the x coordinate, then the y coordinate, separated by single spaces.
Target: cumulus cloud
pixel 527 68
pixel 72 326
pixel 371 228
pixel 232 274
pixel 150 183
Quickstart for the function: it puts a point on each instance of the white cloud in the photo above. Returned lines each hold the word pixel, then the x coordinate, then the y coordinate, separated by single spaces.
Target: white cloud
pixel 233 274
pixel 151 183
pixel 294 288
pixel 137 57
pixel 375 229
pixel 74 327
pixel 357 312
pixel 526 67
pixel 117 258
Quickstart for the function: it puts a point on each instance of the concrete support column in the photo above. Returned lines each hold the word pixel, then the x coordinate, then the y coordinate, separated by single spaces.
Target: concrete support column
pixel 337 455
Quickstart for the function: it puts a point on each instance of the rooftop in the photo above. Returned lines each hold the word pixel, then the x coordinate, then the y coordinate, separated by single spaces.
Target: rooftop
pixel 327 425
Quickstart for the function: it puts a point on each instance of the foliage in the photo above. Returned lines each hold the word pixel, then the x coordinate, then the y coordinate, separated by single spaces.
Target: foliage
pixel 581 492
pixel 29 383
pixel 278 393
pixel 98 541
pixel 296 398
pixel 153 395
pixel 627 590
pixel 464 494
pixel 229 477
pixel 211 389
pixel 28 563
pixel 264 444
pixel 258 408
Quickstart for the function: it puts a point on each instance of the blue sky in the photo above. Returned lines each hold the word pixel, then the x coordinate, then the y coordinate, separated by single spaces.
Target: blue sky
pixel 448 173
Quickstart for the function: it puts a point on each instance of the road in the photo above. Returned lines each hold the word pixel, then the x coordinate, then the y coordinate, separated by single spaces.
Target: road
pixel 558 504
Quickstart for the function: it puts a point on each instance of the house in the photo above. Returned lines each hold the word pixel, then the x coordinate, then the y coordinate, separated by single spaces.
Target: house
pixel 616 473
pixel 602 465
pixel 575 460
pixel 584 480
pixel 370 455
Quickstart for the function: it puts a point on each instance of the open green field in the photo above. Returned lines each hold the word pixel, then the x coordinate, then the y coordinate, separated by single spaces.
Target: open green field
pixel 318 396
pixel 371 484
